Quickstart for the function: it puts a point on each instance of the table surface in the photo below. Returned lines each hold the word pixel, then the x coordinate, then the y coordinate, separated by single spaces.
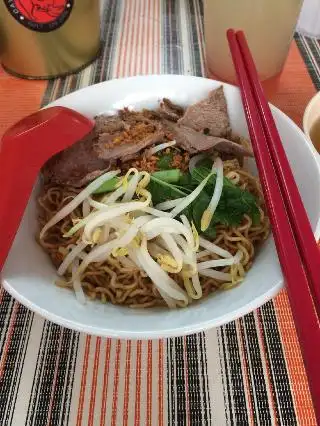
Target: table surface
pixel 249 372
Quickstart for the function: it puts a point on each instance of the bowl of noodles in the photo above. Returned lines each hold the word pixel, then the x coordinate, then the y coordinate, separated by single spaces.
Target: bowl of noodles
pixel 154 224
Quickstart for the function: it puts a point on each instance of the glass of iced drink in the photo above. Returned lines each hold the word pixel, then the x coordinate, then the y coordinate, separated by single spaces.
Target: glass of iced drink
pixel 268 25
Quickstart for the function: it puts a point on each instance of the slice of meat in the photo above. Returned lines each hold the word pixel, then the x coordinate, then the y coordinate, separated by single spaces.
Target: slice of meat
pixel 170 111
pixel 126 144
pixel 178 109
pixel 77 165
pixel 108 124
pixel 209 116
pixel 133 117
pixel 194 142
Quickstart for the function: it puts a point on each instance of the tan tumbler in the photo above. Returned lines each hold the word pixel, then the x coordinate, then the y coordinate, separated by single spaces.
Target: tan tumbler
pixel 42 39
pixel 268 25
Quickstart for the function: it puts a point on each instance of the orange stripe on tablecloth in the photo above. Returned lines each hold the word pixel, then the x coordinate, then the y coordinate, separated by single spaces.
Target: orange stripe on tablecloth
pixel 83 381
pixel 298 379
pixel 18 98
pixel 245 373
pixel 149 384
pixel 294 87
pixel 116 385
pixel 160 383
pixel 105 383
pixel 94 382
pixel 9 338
pixel 138 386
pixel 126 385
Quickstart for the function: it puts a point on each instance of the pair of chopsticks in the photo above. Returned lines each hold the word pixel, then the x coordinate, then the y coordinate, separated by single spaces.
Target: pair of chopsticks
pixel 296 246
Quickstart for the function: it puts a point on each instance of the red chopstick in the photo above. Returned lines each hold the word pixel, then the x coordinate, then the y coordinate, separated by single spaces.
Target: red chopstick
pixel 291 246
pixel 297 213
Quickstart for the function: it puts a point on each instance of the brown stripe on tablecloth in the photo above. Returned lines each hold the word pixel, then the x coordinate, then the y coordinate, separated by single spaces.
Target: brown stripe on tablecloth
pixel 61 389
pixel 245 372
pixel 179 389
pixel 312 61
pixel 171 46
pixel 6 304
pixel 160 407
pixel 116 384
pixel 149 384
pixel 194 377
pixel 186 381
pixel 194 26
pixel 110 33
pixel 94 382
pixel 225 375
pixel 236 391
pixel 127 384
pixel 170 377
pixel 83 380
pixel 223 372
pixel 279 373
pixel 105 382
pixel 138 384
pixel 203 372
pixel 53 377
pixel 12 361
pixel 259 395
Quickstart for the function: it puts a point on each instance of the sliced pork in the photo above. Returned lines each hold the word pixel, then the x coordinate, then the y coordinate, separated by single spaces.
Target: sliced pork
pixel 77 165
pixel 209 116
pixel 170 111
pixel 194 142
pixel 116 139
pixel 139 133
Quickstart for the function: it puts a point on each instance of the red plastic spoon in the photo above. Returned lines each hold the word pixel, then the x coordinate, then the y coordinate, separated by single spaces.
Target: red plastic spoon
pixel 24 149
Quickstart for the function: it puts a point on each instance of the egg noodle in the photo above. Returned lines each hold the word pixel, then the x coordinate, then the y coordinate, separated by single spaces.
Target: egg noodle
pixel 120 248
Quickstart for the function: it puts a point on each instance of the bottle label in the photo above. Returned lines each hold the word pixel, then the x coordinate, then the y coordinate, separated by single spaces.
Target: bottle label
pixel 40 15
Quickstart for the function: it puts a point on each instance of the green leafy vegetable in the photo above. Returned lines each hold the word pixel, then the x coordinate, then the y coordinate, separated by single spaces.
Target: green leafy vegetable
pixel 108 186
pixel 164 162
pixel 172 184
pixel 197 211
pixel 233 205
pixel 170 176
pixel 163 191
pixel 234 202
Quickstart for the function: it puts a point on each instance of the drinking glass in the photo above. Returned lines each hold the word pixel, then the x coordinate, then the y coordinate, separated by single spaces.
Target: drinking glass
pixel 268 25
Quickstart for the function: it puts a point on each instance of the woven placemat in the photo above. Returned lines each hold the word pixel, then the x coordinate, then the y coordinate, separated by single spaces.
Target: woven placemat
pixel 249 372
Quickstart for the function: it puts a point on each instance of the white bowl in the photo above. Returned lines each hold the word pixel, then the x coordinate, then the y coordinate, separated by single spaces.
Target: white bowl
pixel 311 114
pixel 29 274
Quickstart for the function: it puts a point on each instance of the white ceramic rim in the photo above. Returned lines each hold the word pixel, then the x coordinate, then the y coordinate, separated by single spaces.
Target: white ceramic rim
pixel 306 114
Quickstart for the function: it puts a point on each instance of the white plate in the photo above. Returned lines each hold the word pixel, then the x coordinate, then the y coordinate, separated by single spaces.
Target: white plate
pixel 29 274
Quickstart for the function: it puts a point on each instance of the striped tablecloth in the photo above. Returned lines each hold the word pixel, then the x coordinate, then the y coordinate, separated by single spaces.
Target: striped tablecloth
pixel 249 372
